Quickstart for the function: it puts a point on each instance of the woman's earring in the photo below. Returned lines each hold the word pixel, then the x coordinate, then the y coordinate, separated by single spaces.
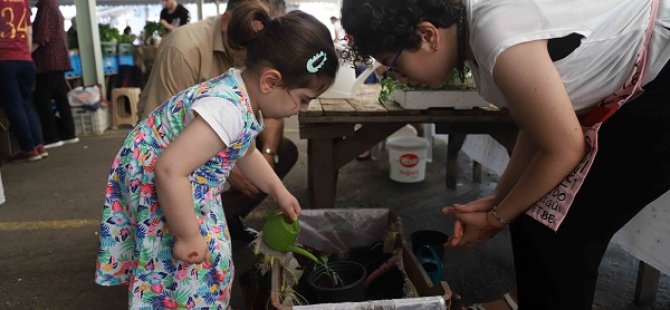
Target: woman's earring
pixel 434 47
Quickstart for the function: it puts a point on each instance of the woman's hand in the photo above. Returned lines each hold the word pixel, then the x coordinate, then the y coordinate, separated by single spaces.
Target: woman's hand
pixel 483 204
pixel 471 224
pixel 192 250
pixel 288 204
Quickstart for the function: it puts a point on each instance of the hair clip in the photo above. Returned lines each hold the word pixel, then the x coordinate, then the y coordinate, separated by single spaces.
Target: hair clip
pixel 311 67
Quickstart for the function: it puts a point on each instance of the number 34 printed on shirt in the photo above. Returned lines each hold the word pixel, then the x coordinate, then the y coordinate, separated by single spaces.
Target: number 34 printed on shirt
pixel 9 18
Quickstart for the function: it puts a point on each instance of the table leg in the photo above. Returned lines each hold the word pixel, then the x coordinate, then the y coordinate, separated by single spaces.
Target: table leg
pixel 453 147
pixel 647 284
pixel 322 173
pixel 506 139
pixel 363 139
pixel 476 172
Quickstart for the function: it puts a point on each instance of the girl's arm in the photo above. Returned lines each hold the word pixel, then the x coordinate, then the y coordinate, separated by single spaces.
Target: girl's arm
pixel 550 145
pixel 258 171
pixel 194 147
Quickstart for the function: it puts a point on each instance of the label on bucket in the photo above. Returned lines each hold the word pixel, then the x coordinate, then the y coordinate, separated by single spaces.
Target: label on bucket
pixel 407 165
pixel 409 160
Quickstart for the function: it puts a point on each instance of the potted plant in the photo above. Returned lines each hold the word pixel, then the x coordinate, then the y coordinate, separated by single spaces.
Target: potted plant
pixel 108 38
pixel 152 32
pixel 454 94
pixel 341 281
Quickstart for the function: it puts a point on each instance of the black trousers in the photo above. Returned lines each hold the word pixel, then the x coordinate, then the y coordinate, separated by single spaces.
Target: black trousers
pixel 235 203
pixel 558 270
pixel 52 85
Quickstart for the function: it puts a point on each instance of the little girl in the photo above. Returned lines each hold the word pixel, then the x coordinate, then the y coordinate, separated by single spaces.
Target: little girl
pixel 163 231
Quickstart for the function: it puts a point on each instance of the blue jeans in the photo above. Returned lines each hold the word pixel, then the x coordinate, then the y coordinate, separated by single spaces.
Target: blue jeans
pixel 16 83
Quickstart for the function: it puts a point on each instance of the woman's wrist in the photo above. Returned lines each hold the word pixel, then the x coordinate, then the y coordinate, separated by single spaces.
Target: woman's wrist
pixel 493 218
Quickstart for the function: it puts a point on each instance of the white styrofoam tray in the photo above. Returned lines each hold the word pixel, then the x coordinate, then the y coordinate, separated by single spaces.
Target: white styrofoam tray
pixel 424 99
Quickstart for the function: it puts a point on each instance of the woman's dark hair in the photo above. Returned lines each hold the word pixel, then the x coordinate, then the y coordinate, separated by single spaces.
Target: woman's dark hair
pixel 379 26
pixel 277 7
pixel 287 43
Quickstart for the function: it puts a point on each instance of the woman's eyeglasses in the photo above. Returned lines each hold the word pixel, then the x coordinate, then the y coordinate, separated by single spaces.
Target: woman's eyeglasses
pixel 392 68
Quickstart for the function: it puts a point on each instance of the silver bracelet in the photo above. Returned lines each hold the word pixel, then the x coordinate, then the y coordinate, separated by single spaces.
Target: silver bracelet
pixel 495 214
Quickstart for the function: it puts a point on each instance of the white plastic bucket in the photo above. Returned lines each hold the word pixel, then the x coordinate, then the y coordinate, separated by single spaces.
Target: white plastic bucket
pixel 407 158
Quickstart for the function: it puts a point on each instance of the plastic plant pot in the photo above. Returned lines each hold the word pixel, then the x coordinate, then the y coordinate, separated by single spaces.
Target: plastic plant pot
pixel 351 289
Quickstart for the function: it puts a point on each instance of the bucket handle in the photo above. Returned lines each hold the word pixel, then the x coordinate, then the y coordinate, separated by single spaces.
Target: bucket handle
pixel 434 258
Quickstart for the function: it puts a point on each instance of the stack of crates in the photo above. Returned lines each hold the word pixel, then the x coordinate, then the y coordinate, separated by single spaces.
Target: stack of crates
pixel 75 60
pixel 110 62
pixel 88 122
pixel 113 56
pixel 126 54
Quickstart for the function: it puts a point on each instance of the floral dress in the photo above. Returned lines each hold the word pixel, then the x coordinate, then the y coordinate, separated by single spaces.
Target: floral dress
pixel 135 243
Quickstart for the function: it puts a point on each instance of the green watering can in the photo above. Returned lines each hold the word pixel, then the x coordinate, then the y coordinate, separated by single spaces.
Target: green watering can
pixel 279 233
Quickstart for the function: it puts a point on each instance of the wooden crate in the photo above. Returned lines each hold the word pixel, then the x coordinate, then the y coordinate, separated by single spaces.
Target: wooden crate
pixel 422 285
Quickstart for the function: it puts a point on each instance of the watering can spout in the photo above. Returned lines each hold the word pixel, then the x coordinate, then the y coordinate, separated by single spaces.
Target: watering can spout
pixel 364 76
pixel 303 252
pixel 346 83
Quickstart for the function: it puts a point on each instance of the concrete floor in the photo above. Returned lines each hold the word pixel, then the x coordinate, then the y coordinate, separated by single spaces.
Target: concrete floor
pixel 49 224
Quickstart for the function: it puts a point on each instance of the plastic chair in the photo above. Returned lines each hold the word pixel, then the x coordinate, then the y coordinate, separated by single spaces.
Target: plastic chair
pixel 122 113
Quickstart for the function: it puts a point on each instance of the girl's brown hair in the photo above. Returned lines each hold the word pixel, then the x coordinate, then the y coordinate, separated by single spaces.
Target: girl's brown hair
pixel 286 43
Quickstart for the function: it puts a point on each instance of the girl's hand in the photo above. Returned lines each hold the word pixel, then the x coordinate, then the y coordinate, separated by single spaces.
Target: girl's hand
pixel 470 227
pixel 289 205
pixel 192 250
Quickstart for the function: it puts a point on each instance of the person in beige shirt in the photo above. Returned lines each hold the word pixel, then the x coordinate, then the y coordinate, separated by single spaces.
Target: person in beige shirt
pixel 198 52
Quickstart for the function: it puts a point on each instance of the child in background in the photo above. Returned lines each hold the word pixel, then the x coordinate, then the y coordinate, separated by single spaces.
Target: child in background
pixel 163 229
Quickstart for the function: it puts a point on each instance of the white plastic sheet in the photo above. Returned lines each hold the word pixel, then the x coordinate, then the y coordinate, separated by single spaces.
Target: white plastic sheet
pixel 486 151
pixel 337 230
pixel 647 235
pixel 424 303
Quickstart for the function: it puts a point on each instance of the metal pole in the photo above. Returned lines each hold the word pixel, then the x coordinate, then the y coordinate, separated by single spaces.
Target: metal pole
pixel 199 3
pixel 90 51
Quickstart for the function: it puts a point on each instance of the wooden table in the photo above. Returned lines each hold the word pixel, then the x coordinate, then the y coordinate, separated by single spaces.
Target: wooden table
pixel 330 126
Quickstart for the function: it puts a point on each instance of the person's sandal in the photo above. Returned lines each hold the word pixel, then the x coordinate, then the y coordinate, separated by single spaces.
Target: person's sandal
pixel 510 302
pixel 364 156
pixel 506 298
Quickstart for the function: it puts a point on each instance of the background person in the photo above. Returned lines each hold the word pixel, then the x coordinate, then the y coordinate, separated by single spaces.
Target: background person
pixel 17 75
pixel 51 57
pixel 174 15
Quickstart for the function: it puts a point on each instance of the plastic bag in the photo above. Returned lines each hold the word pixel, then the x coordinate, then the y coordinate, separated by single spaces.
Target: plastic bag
pixel 89 97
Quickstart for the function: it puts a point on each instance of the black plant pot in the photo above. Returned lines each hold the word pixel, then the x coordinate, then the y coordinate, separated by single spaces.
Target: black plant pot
pixel 353 277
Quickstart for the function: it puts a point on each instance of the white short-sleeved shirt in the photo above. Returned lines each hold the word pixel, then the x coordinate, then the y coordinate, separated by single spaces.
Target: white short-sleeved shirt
pixel 613 32
pixel 225 119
